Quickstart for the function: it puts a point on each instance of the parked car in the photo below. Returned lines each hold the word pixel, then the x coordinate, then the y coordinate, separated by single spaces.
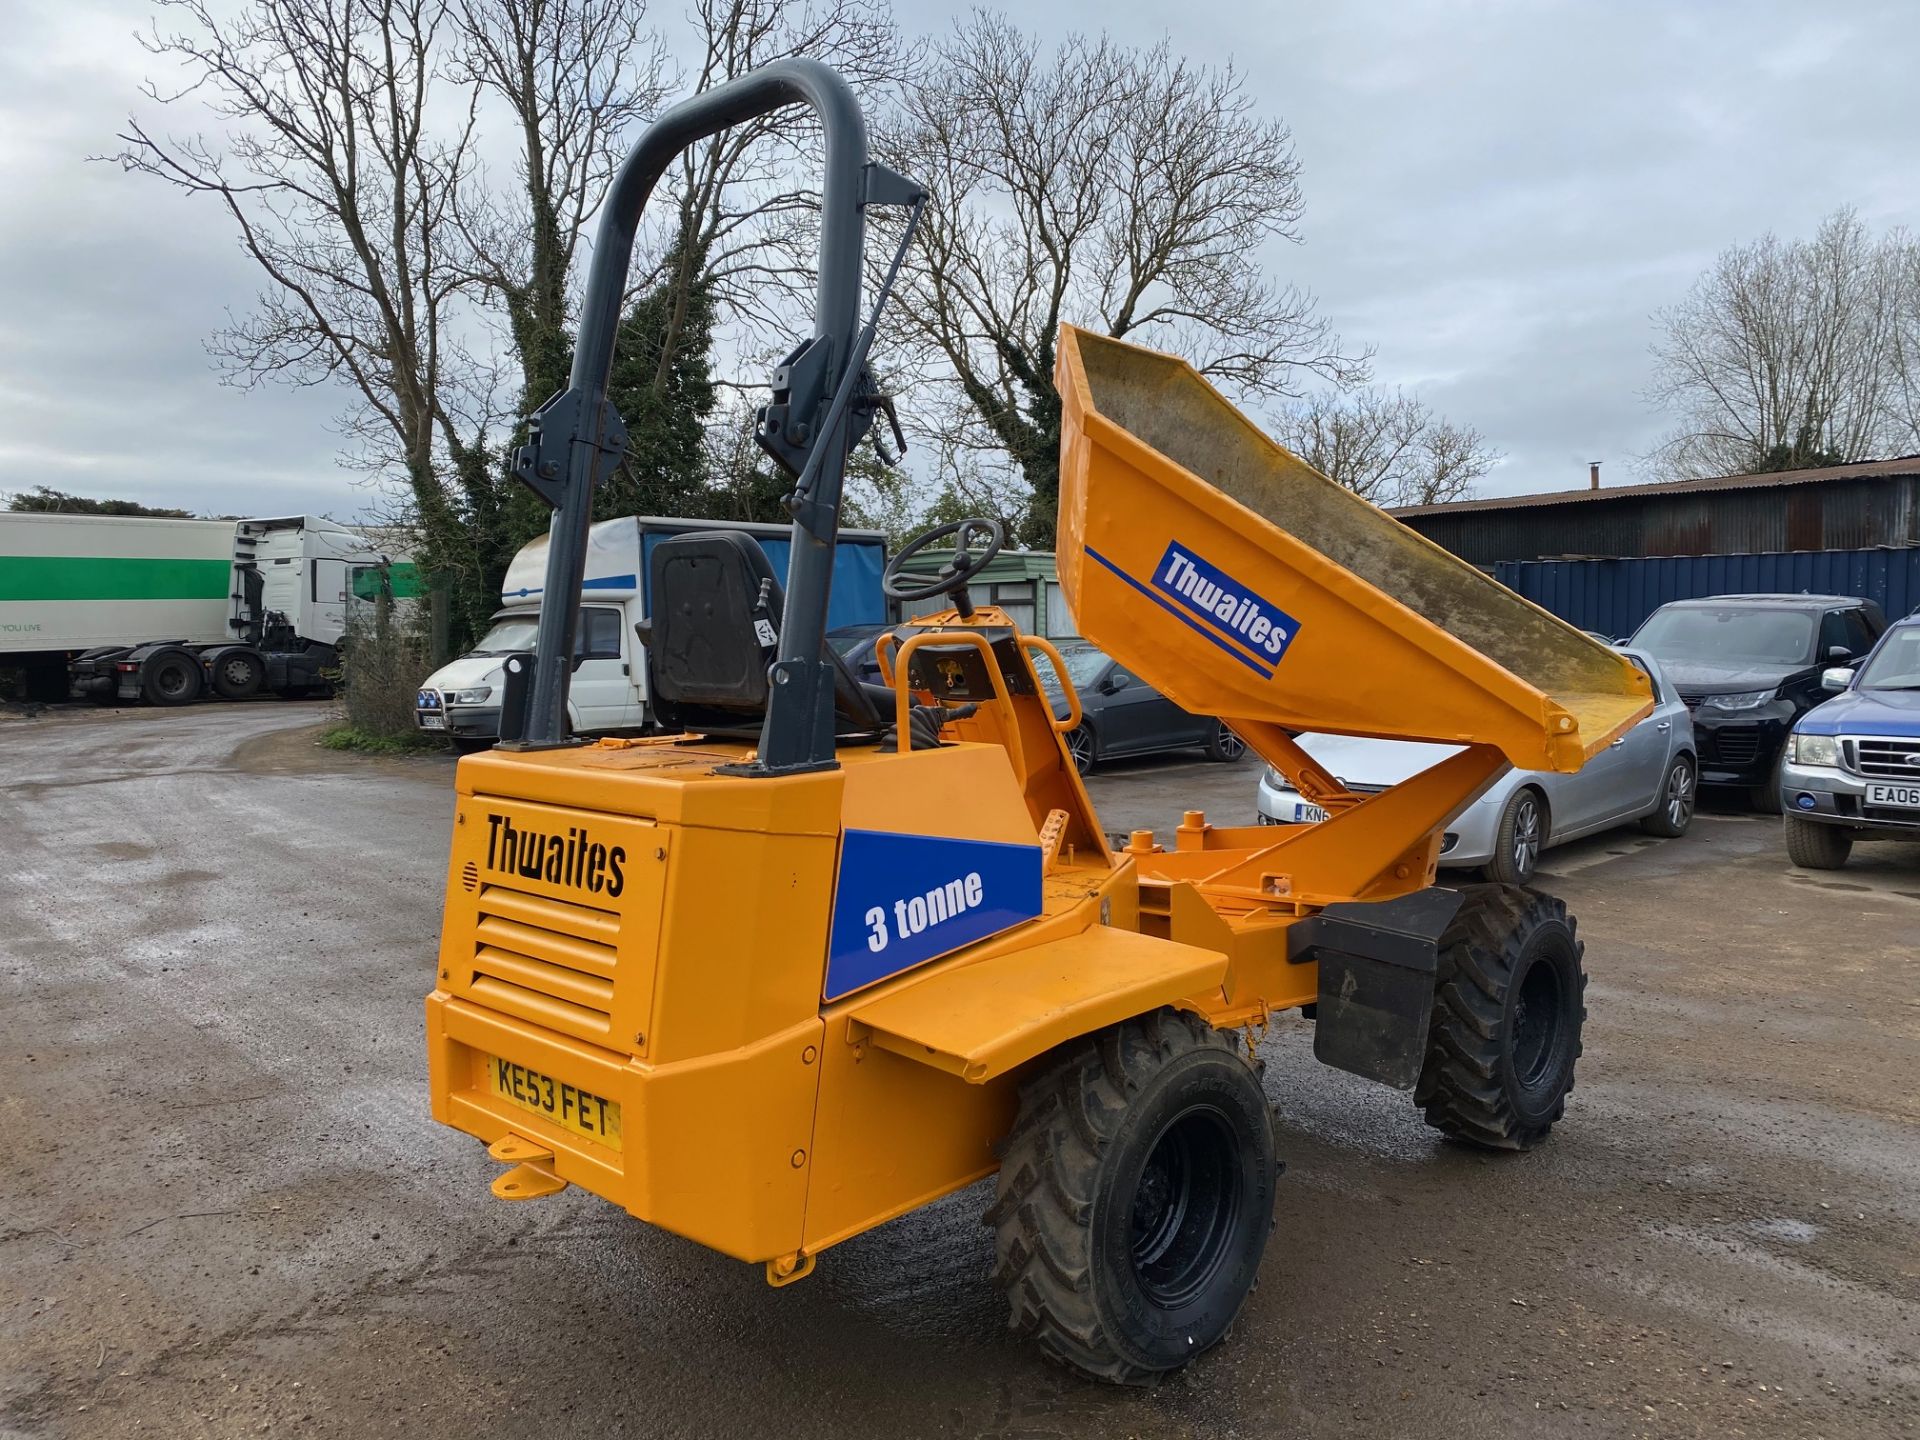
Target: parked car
pixel 855 644
pixel 1748 666
pixel 1853 764
pixel 1647 775
pixel 1123 715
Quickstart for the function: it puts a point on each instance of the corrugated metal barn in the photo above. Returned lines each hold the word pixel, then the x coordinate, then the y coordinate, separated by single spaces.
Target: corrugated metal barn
pixel 1841 507
pixel 1612 597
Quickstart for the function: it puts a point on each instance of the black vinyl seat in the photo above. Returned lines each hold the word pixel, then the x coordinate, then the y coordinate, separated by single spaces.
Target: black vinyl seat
pixel 713 630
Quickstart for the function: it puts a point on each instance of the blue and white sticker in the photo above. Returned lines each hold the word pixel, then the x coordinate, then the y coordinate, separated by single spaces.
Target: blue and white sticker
pixel 1247 625
pixel 903 900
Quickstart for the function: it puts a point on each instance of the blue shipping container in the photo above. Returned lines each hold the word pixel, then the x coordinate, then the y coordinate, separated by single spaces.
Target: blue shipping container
pixel 1612 597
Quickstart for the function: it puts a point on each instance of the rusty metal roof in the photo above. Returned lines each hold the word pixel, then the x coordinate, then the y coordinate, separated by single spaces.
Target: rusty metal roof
pixel 1859 470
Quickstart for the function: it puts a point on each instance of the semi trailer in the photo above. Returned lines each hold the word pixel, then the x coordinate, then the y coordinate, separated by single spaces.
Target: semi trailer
pixel 123 609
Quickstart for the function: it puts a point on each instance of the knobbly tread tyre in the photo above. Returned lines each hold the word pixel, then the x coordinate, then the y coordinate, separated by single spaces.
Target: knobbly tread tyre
pixel 1067 1139
pixel 1467 1087
pixel 1813 846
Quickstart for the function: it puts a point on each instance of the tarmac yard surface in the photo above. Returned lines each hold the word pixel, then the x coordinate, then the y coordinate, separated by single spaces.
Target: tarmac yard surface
pixel 224 1210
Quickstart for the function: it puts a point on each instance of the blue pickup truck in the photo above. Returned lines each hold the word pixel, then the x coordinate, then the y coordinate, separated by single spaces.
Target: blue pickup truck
pixel 1852 768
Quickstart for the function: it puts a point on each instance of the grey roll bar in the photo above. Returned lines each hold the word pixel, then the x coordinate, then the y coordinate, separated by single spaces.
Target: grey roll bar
pixel 577 440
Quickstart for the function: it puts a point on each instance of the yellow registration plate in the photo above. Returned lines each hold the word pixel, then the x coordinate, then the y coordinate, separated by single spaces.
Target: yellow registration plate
pixel 565 1105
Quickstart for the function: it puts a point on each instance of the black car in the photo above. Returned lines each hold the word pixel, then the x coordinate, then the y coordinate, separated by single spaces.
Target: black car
pixel 1123 715
pixel 1748 666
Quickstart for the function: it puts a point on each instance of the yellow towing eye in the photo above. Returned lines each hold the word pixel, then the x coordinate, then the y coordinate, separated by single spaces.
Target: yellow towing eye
pixel 528 1179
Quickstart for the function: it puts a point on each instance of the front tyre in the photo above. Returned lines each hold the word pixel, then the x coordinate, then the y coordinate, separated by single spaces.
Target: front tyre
pixel 1766 798
pixel 1814 846
pixel 238 675
pixel 1673 811
pixel 1081 748
pixel 1507 1015
pixel 1519 838
pixel 1135 1197
pixel 1223 745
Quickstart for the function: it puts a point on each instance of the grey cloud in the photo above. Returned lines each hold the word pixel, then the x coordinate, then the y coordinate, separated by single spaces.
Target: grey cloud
pixel 1498 196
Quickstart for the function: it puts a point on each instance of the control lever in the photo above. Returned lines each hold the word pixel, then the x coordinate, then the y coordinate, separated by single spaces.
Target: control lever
pixel 925 722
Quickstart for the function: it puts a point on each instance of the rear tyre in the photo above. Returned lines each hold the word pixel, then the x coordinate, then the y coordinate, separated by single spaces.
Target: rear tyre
pixel 1135 1197
pixel 1225 746
pixel 1519 838
pixel 171 677
pixel 1507 1016
pixel 1673 812
pixel 238 675
pixel 1080 747
pixel 1813 846
pixel 1766 798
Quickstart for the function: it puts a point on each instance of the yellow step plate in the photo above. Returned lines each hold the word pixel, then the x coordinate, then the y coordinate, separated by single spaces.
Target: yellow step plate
pixel 978 1021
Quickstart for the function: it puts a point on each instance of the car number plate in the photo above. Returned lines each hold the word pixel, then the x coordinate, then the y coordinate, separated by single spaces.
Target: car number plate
pixel 433 722
pixel 1907 796
pixel 567 1106
pixel 1305 812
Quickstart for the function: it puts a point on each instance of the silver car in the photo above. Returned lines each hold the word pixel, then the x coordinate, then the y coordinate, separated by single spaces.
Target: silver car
pixel 1649 775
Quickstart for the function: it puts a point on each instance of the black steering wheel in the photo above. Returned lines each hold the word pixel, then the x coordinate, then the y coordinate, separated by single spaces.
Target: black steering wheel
pixel 952 579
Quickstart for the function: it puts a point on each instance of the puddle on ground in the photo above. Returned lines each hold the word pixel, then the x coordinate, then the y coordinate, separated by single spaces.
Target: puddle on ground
pixel 1794 1232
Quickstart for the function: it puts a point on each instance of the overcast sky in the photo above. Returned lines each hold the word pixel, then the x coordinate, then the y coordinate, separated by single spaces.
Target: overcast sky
pixel 1498 196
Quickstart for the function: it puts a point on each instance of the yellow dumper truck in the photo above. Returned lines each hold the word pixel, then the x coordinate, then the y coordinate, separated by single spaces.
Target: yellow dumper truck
pixel 836 950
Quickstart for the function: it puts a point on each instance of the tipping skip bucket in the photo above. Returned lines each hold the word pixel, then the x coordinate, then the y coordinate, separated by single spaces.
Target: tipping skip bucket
pixel 1242 583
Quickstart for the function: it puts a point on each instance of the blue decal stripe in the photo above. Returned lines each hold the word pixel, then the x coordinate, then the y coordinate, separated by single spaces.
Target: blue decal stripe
pixel 1185 619
pixel 880 872
pixel 603 582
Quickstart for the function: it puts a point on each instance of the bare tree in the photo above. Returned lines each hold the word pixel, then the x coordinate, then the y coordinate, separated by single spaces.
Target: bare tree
pixel 341 197
pixel 1123 190
pixel 1903 416
pixel 1387 447
pixel 1784 354
pixel 575 76
pixel 748 196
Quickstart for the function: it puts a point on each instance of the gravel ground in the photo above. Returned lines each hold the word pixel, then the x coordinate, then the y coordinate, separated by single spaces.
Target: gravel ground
pixel 224 1211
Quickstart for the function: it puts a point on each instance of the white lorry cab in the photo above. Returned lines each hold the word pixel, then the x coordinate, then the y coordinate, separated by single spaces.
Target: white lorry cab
pixel 608 691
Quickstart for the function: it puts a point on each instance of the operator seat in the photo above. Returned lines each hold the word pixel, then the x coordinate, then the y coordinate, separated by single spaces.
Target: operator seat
pixel 713 630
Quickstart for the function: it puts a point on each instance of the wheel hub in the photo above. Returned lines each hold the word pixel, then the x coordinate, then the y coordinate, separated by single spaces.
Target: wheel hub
pixel 1185 1207
pixel 1536 1024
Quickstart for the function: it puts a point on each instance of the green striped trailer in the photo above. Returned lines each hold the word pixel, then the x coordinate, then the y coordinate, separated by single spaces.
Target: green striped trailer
pixel 72 582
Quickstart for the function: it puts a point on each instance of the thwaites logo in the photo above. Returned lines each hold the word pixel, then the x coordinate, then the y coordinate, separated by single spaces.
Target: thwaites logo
pixel 575 859
pixel 1229 611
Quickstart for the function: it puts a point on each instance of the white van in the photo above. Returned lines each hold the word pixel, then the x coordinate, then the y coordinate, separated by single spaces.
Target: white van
pixel 609 688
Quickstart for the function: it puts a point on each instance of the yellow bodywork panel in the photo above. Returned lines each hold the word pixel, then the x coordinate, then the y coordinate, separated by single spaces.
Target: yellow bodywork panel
pixel 981 1020
pixel 1235 578
pixel 630 978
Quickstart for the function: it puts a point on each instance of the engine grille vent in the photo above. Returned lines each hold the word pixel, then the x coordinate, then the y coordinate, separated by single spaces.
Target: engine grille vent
pixel 469 876
pixel 548 961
